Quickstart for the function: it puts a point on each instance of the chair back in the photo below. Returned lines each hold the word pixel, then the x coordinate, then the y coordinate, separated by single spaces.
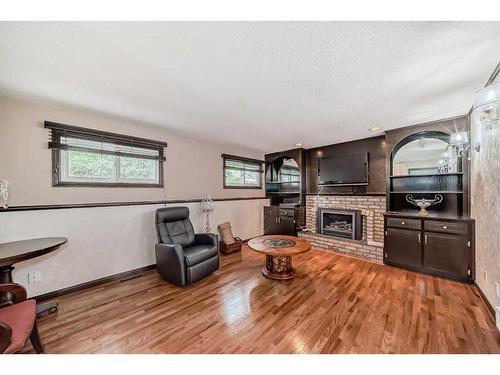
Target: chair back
pixel 173 226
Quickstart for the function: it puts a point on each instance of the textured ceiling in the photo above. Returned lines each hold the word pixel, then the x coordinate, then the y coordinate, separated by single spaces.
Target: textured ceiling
pixel 267 85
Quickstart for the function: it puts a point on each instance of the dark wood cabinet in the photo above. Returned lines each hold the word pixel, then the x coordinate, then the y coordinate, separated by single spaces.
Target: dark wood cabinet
pixel 447 254
pixel 287 225
pixel 441 247
pixel 271 225
pixel 280 220
pixel 408 255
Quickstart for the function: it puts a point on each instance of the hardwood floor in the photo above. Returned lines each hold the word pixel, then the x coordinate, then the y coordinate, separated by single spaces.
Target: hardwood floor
pixel 335 304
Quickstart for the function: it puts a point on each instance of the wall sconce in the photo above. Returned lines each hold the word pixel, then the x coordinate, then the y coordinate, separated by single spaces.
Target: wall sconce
pixel 460 142
pixel 487 106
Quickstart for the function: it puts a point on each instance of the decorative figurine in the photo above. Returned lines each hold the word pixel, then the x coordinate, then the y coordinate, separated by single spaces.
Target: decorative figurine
pixel 423 203
pixel 207 205
pixel 4 193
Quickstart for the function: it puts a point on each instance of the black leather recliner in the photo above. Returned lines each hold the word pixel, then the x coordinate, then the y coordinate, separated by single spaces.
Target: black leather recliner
pixel 183 257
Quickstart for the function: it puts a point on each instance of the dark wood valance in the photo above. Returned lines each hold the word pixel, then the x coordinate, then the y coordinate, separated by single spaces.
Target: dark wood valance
pixel 242 158
pixel 66 137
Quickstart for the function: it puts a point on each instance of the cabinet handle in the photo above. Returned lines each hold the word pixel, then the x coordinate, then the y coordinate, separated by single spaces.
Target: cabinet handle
pixel 426 239
pixel 419 235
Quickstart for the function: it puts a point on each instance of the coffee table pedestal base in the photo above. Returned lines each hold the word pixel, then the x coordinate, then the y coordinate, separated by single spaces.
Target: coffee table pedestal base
pixel 278 267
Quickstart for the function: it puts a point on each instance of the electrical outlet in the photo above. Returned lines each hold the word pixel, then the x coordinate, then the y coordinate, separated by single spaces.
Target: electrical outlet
pixel 497 286
pixel 34 277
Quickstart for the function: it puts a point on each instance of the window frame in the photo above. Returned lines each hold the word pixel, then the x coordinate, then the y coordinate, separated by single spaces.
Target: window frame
pixel 70 131
pixel 242 159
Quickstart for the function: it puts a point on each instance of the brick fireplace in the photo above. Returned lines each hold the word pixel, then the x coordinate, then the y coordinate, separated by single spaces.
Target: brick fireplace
pixel 371 207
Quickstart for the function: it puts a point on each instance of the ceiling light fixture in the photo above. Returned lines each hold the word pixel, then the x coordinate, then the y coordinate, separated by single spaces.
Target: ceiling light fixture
pixel 375 129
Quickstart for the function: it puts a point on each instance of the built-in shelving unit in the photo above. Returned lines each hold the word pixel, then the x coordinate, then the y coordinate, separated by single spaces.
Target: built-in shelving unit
pixel 421 162
pixel 428 176
pixel 285 177
pixel 285 188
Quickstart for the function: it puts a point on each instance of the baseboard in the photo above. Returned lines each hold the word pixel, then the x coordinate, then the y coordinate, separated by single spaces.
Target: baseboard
pixel 490 307
pixel 89 284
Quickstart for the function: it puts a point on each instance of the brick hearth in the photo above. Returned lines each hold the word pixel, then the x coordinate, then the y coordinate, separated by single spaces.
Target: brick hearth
pixel 372 208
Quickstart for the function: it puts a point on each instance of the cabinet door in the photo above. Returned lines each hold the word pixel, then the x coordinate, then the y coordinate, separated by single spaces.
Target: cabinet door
pixel 403 247
pixel 271 225
pixel 446 253
pixel 287 225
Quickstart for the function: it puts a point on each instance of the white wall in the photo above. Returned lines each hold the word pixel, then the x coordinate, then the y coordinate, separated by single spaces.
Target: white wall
pixel 109 240
pixel 104 241
pixel 193 167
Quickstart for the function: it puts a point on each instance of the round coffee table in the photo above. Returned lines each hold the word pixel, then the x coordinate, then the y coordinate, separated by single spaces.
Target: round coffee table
pixel 279 250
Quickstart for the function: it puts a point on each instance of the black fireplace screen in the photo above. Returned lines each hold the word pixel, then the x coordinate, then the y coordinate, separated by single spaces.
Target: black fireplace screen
pixel 345 223
pixel 337 223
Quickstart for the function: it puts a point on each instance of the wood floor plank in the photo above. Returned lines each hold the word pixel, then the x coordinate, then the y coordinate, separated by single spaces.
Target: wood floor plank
pixel 335 304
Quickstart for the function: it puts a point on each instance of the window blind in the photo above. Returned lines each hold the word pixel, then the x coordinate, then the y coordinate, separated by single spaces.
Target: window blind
pixel 68 137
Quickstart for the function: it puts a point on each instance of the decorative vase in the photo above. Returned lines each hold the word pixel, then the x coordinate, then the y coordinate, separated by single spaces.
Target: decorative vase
pixel 423 203
pixel 207 205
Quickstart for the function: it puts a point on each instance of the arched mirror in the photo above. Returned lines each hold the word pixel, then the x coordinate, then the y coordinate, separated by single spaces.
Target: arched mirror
pixel 425 153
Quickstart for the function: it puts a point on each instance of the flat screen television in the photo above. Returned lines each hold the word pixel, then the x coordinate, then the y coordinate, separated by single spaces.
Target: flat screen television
pixel 343 170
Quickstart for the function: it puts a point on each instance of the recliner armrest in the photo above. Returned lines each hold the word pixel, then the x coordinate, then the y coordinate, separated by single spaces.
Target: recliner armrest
pixel 170 262
pixel 173 249
pixel 206 239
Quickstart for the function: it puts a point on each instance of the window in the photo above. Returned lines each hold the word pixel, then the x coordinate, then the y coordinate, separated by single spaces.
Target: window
pixel 242 173
pixel 289 173
pixel 86 157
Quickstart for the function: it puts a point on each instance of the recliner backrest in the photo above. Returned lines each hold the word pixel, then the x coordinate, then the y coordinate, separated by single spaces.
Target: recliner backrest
pixel 173 226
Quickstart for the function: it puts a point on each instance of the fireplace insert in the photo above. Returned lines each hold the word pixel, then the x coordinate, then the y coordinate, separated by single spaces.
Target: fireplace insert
pixel 340 223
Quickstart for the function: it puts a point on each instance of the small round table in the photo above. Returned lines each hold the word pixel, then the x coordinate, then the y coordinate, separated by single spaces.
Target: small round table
pixel 279 250
pixel 18 251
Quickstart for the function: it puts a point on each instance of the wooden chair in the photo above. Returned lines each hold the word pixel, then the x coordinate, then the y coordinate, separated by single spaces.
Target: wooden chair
pixel 17 320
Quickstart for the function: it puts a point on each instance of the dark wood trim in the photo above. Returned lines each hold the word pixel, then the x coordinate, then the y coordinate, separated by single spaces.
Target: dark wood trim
pixel 56 126
pixel 417 127
pixel 107 184
pixel 243 187
pixel 90 284
pixel 490 307
pixel 117 204
pixel 57 130
pixel 242 158
pixel 57 182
